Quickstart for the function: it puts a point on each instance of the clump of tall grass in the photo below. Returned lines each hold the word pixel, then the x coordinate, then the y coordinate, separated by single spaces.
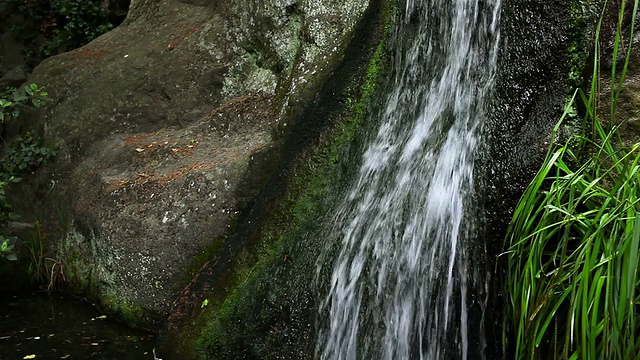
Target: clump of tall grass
pixel 574 241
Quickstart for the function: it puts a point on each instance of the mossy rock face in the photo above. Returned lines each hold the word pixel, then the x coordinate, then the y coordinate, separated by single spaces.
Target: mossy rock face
pixel 169 127
pixel 263 304
pixel 544 51
pixel 627 111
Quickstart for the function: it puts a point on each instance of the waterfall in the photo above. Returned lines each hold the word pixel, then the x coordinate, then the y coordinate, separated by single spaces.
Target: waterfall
pixel 403 273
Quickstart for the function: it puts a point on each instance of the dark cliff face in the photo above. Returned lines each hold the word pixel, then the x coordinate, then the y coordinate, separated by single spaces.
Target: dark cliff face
pixel 532 84
pixel 544 49
pixel 545 45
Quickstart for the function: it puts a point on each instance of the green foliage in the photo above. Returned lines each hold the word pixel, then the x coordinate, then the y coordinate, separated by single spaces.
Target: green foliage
pixel 27 154
pixel 6 248
pixel 42 269
pixel 37 266
pixel 64 24
pixel 7 239
pixel 574 241
pixel 12 101
pixel 28 151
pixel 79 22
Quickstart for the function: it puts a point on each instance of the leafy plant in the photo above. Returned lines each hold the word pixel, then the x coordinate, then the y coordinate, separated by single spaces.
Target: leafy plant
pixel 7 216
pixel 27 153
pixel 6 248
pixel 13 101
pixel 574 241
pixel 78 22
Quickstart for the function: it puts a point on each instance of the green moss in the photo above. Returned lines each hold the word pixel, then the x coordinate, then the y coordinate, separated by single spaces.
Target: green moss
pixel 580 33
pixel 210 341
pixel 82 283
pixel 271 302
pixel 78 279
pixel 81 280
pixel 129 313
pixel 204 255
pixel 132 314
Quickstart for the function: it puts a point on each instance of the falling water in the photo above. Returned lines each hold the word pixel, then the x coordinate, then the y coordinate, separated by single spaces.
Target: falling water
pixel 402 282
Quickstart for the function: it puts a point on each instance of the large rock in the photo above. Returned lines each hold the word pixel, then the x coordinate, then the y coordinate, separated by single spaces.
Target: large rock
pixel 13 78
pixel 168 127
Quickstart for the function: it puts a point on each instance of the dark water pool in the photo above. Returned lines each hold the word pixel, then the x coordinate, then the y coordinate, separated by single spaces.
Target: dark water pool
pixel 58 327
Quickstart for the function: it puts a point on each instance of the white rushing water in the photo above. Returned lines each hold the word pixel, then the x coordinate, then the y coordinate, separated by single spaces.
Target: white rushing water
pixel 400 283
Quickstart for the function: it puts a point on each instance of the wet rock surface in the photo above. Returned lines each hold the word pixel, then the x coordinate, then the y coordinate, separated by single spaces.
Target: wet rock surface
pixel 627 112
pixel 543 52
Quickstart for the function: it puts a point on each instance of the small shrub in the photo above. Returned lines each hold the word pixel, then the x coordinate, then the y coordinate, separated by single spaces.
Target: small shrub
pixel 24 156
pixel 12 101
pixel 27 154
pixel 7 216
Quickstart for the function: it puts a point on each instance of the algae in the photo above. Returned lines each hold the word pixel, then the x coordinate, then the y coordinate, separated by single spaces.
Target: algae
pixel 129 313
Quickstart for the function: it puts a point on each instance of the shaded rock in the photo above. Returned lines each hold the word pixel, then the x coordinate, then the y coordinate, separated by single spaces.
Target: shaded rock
pixel 544 49
pixel 13 78
pixel 115 10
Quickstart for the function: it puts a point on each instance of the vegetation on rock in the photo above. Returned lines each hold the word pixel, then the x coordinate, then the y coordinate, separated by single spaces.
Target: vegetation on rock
pixel 574 241
pixel 13 101
pixel 282 312
pixel 7 238
pixel 22 157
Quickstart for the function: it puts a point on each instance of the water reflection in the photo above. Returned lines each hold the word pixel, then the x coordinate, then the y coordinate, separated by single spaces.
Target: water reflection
pixel 57 327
